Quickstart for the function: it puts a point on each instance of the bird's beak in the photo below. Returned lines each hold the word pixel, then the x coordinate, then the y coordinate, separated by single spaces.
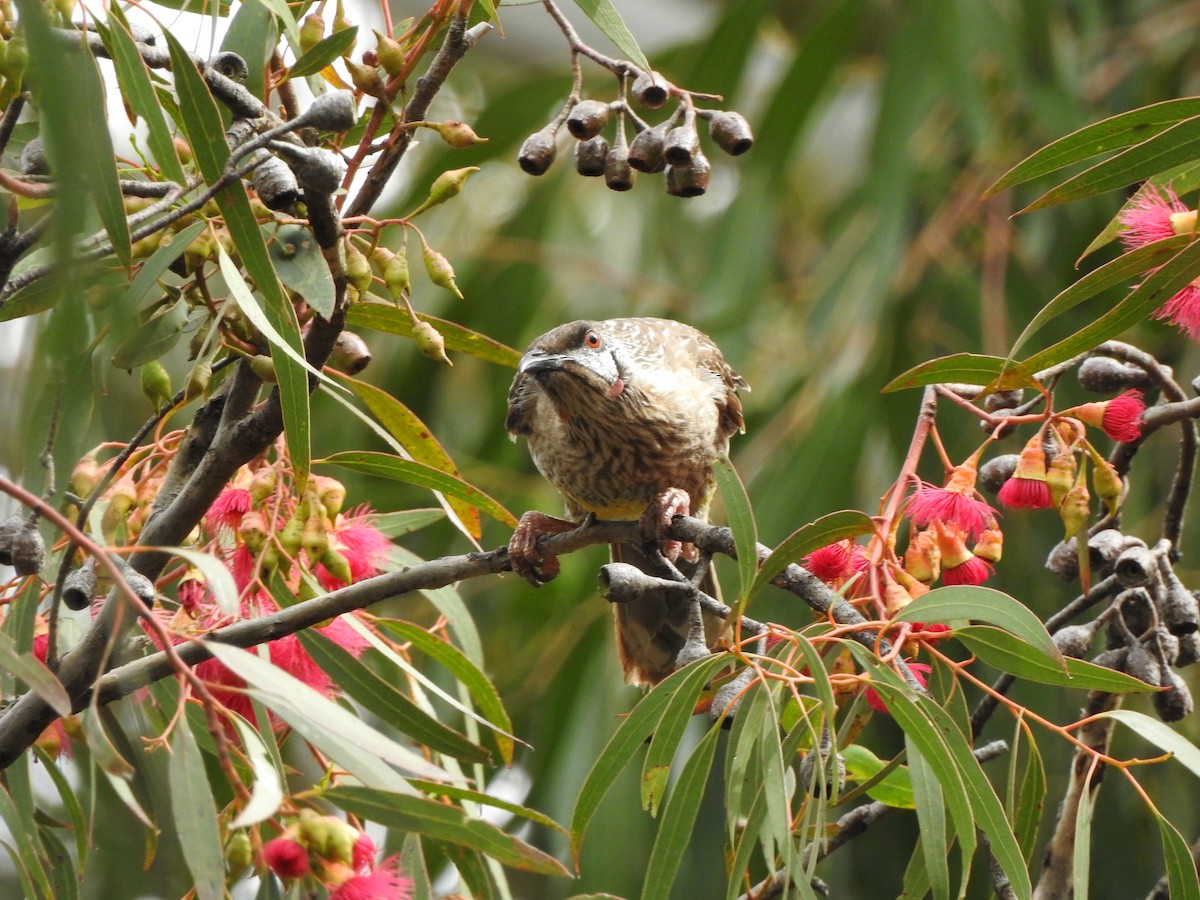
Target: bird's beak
pixel 540 361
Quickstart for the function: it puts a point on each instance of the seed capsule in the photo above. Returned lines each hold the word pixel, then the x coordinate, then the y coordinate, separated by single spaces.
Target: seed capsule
pixel 587 119
pixel 731 132
pixel 650 90
pixel 590 156
pixel 646 150
pixel 680 145
pixel 538 151
pixel 690 180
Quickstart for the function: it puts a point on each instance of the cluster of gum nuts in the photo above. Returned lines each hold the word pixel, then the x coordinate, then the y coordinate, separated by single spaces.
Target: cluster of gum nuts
pixel 672 146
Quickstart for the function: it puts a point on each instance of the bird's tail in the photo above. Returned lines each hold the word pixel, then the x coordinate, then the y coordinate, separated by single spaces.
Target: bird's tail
pixel 652 629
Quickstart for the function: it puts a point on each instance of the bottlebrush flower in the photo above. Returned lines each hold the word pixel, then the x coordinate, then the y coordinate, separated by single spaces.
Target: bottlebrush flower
pixel 1150 216
pixel 227 510
pixel 386 882
pixel 286 857
pixel 833 563
pixel 958 503
pixel 1027 489
pixel 1119 418
pixel 363 546
pixel 960 565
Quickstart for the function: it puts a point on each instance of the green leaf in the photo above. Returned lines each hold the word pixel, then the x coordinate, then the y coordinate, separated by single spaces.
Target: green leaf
pixel 481 689
pixel 1158 287
pixel 741 523
pixel 70 802
pixel 931 815
pixel 36 676
pixel 216 574
pixel 968 368
pixel 1182 881
pixel 146 280
pixel 450 604
pixel 134 79
pixel 1008 653
pixel 409 471
pixel 199 116
pixel 195 816
pixel 1161 735
pixel 267 793
pixel 1026 810
pixel 1114 133
pixel 679 818
pixel 894 789
pixel 605 17
pixel 1081 847
pixel 328 50
pixel 418 440
pixel 302 268
pixel 406 812
pixel 381 698
pixel 389 318
pixel 681 686
pixel 981 604
pixel 1112 273
pixel 828 529
pixel 1174 146
pixel 333 730
pixel 438 789
pixel 154 337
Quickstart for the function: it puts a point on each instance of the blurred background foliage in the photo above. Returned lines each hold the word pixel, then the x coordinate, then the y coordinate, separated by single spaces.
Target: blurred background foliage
pixel 848 245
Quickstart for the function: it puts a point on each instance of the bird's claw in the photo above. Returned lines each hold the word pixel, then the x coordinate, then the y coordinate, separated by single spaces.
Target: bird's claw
pixel 523 554
pixel 657 518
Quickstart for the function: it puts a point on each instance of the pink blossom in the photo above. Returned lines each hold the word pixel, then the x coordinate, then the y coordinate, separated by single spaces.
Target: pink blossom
pixel 364 853
pixel 364 546
pixel 229 507
pixel 286 857
pixel 384 883
pixel 1183 311
pixel 1147 217
pixel 830 563
pixel 971 570
pixel 955 508
pixel 1122 420
pixel 1025 493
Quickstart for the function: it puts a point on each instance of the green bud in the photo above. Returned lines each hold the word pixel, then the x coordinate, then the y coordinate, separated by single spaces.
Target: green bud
pixel 395 275
pixel 366 79
pixel 430 342
pixel 312 31
pixel 390 54
pixel 341 23
pixel 156 384
pixel 238 854
pixel 440 271
pixel 197 380
pixel 358 268
pixel 457 134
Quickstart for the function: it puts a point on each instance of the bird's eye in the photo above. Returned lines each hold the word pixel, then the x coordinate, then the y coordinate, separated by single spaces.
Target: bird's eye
pixel 591 339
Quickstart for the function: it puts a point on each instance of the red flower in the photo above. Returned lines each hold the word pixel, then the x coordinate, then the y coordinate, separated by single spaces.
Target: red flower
pixel 384 883
pixel 931 632
pixel 363 545
pixel 919 670
pixel 1148 217
pixel 832 563
pixel 953 507
pixel 971 570
pixel 1122 419
pixel 1183 311
pixel 363 856
pixel 1025 493
pixel 286 857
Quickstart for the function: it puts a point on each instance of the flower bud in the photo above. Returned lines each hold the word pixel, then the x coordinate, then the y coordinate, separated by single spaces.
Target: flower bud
pixel 1060 476
pixel 396 277
pixel 238 853
pixel 358 268
pixel 430 342
pixel 86 475
pixel 587 119
pixel 312 31
pixel 731 132
pixel 590 156
pixel 457 134
pixel 389 53
pixel 922 559
pixel 252 530
pixel 366 79
pixel 263 367
pixel 1076 509
pixel 439 269
pixel 341 23
pixel 538 151
pixel 331 493
pixel 197 380
pixel 650 90
pixel 990 545
pixel 156 384
pixel 338 566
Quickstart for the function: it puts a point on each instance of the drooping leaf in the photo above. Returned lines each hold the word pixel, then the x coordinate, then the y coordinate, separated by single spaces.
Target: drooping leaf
pixel 302 268
pixel 679 818
pixel 409 813
pixel 266 794
pixel 195 816
pixel 741 523
pixel 931 814
pixel 965 368
pixel 1114 133
pixel 1009 653
pixel 1182 881
pixel 154 337
pixel 1161 735
pixel 605 17
pixel 894 789
pixel 328 50
pixel 982 604
pixel 828 529
pixel 36 676
pixel 389 318
pixel 382 698
pixel 411 472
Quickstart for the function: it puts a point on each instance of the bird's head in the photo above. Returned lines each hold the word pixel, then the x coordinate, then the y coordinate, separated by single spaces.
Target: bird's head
pixel 579 357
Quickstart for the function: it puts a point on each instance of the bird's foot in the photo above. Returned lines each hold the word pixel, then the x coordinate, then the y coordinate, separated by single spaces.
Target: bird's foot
pixel 657 519
pixel 523 554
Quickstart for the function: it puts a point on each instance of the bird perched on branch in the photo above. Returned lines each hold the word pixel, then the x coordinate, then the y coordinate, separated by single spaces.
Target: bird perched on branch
pixel 626 418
